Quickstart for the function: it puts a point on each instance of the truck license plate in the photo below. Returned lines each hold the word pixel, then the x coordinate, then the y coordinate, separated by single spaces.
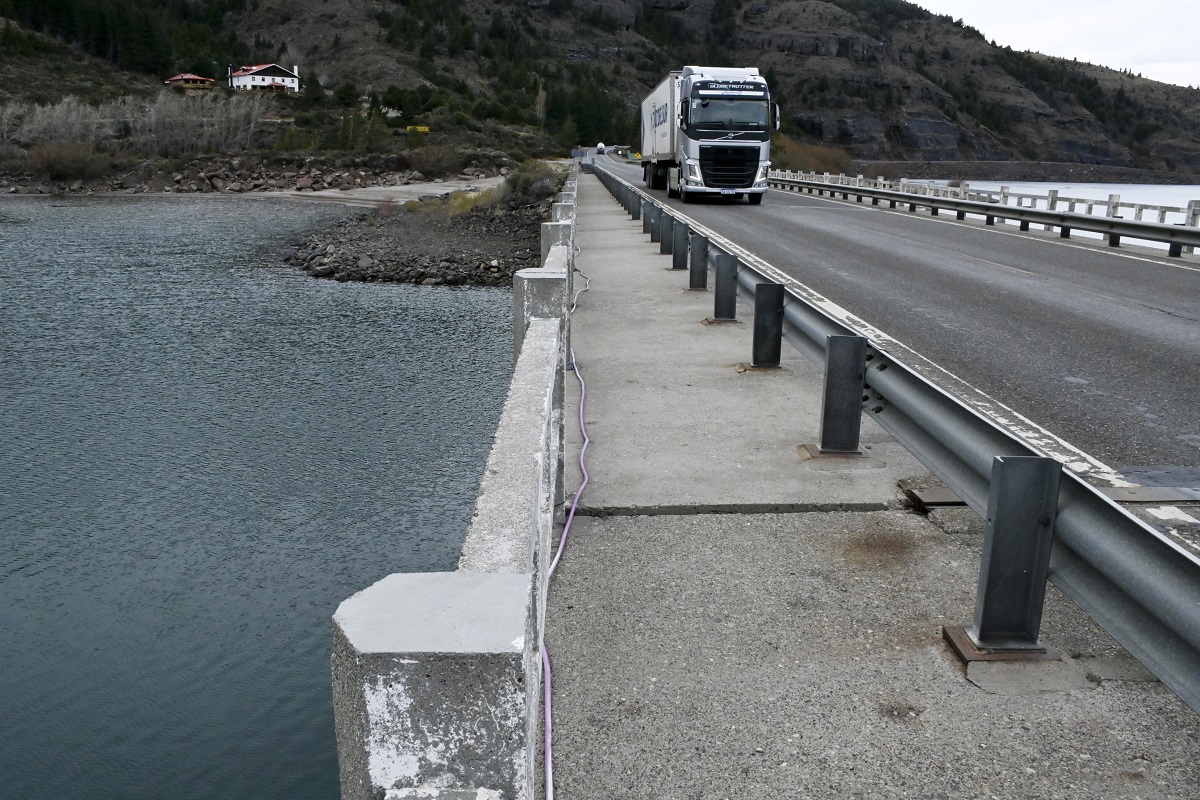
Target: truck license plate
pixel 728 191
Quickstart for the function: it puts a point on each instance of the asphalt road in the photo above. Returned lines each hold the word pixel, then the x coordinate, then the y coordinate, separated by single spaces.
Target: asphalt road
pixel 1099 346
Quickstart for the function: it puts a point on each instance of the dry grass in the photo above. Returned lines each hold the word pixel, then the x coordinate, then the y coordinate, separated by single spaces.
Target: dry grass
pixel 532 182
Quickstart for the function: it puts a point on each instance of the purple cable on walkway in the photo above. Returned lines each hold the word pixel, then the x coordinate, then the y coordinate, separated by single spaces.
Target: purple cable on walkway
pixel 562 543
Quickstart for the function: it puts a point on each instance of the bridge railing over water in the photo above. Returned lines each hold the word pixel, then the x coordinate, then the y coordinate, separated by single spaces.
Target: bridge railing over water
pixel 1044 521
pixel 437 676
pixel 1172 225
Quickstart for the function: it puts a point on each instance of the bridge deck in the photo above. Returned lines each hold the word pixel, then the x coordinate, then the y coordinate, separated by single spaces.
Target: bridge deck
pixel 732 621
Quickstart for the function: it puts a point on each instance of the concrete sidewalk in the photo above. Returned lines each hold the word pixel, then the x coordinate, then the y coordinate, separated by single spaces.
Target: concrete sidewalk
pixel 731 620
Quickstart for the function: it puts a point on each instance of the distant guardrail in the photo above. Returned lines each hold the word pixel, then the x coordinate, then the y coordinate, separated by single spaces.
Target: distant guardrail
pixel 1181 237
pixel 1139 585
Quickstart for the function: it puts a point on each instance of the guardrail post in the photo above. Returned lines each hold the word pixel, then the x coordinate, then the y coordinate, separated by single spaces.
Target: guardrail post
pixel 1191 218
pixel 679 245
pixel 1022 508
pixel 698 249
pixel 768 325
pixel 841 405
pixel 1064 232
pixel 666 232
pixel 635 206
pixel 655 224
pixel 725 296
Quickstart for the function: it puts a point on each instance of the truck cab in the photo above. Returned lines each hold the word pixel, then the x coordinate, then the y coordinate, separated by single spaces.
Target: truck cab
pixel 707 131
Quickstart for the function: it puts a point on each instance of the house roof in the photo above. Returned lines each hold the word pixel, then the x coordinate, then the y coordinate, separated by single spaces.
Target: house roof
pixel 188 76
pixel 244 71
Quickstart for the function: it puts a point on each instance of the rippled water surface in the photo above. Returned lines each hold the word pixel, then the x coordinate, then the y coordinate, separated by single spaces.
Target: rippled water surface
pixel 202 453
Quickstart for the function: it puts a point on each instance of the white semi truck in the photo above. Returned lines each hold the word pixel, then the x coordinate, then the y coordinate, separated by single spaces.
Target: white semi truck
pixel 707 131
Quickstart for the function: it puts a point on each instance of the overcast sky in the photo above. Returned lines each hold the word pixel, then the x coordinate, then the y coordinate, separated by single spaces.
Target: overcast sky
pixel 1157 38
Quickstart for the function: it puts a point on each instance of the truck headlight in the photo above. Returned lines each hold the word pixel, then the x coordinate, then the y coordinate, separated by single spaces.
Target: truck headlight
pixel 762 173
pixel 693 171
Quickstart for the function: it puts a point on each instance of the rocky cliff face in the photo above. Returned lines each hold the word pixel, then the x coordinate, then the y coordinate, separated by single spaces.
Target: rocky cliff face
pixel 883 79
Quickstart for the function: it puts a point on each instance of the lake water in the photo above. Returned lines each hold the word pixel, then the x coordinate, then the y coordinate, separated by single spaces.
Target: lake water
pixel 202 452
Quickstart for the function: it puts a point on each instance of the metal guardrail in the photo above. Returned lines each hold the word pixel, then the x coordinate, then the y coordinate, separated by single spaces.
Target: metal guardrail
pixel 1175 236
pixel 1140 586
pixel 1052 200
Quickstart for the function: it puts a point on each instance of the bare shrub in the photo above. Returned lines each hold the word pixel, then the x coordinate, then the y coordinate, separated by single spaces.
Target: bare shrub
pixel 171 125
pixel 532 181
pixel 436 160
pixel 70 121
pixel 10 118
pixel 60 162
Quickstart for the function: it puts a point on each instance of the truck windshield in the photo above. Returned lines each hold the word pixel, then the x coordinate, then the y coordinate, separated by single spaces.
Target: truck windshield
pixel 741 114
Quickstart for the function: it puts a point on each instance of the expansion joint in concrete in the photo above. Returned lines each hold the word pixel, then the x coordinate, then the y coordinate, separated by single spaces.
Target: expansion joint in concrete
pixel 729 508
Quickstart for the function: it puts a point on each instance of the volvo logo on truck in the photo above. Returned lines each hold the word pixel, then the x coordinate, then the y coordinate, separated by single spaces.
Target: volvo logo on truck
pixel 707 131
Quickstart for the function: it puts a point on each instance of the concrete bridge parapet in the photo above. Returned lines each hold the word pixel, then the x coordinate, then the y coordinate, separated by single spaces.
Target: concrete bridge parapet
pixel 437 676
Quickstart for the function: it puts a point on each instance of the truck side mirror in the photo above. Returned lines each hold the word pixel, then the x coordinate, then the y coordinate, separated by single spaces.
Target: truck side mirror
pixel 683 113
pixel 775 106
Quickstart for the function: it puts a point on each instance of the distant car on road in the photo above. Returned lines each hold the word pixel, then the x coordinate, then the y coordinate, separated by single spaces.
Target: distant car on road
pixel 600 148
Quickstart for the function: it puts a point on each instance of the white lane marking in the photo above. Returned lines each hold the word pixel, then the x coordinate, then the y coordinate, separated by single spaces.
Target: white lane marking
pixel 1173 514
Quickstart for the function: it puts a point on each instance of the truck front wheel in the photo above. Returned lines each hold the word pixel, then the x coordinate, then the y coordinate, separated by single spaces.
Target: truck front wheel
pixel 755 199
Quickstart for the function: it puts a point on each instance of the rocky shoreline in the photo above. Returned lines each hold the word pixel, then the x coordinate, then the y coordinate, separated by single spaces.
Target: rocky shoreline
pixel 422 242
pixel 427 246
pixel 236 175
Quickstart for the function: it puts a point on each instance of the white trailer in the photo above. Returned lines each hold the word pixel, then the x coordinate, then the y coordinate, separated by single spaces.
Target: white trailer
pixel 707 131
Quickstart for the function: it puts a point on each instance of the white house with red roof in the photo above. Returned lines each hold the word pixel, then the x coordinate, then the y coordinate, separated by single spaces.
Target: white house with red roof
pixel 265 77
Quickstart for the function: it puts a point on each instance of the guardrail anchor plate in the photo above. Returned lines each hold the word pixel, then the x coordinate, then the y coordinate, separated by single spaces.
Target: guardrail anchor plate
pixel 810 452
pixel 933 497
pixel 965 649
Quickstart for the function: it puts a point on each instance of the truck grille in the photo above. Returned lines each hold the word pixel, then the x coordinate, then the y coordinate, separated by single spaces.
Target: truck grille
pixel 728 167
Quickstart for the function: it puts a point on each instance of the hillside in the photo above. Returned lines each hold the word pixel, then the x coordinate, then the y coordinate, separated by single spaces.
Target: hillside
pixel 882 79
